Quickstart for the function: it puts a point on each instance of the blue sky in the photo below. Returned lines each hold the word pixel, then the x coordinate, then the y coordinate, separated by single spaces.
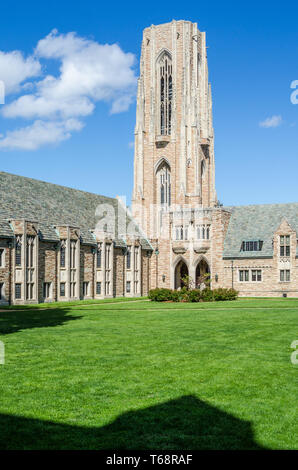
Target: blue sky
pixel 252 56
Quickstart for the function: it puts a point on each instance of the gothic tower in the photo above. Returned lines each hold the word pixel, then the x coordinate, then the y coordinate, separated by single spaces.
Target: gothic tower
pixel 174 144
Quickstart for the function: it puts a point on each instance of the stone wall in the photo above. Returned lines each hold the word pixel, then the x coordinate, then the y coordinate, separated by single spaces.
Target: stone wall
pixel 47 268
pixel 4 270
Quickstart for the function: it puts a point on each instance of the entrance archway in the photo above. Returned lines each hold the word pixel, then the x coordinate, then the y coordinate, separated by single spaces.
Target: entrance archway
pixel 181 270
pixel 201 270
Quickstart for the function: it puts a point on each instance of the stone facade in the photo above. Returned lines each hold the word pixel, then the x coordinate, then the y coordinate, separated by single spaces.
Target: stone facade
pixel 68 270
pixel 174 197
pixel 58 243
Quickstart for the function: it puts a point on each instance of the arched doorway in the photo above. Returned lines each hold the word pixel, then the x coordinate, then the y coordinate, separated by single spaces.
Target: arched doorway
pixel 201 270
pixel 181 270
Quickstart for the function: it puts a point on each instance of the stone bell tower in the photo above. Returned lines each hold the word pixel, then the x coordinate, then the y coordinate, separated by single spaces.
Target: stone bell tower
pixel 174 148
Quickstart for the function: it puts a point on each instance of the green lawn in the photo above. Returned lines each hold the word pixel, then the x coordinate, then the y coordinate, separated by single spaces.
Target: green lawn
pixel 146 375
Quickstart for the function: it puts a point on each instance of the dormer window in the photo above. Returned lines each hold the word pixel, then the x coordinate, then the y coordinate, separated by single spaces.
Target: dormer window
pixel 251 245
pixel 284 245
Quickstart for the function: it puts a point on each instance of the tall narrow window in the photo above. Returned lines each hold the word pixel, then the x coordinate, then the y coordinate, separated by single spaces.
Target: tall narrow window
pixel 1 257
pixel 85 288
pixel 98 288
pixel 30 252
pixel 18 291
pixel 164 175
pixel 98 257
pixel 30 271
pixel 108 275
pixel 128 258
pixel 62 289
pixel 47 287
pixel 62 253
pixel 72 254
pixel 136 269
pixel 18 251
pixel 165 93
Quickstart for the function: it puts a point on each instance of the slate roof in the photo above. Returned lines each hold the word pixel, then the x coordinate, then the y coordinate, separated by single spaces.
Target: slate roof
pixel 5 229
pixel 257 222
pixel 52 205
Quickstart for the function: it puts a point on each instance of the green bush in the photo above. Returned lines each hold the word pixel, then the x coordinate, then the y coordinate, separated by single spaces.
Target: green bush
pixel 175 296
pixel 225 294
pixel 160 295
pixel 194 295
pixel 207 295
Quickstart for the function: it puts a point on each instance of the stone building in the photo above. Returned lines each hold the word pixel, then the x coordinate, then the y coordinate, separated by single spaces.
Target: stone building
pixel 59 243
pixel 252 248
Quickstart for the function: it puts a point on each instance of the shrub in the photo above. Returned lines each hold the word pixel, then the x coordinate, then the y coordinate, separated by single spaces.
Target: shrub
pixel 194 295
pixel 225 294
pixel 160 295
pixel 207 295
pixel 175 296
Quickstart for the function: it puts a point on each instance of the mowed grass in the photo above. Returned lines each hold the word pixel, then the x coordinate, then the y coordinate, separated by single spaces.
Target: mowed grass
pixel 145 375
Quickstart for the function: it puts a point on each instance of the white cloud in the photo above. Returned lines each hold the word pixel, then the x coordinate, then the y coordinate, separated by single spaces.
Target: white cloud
pixel 88 72
pixel 39 133
pixel 15 69
pixel 273 121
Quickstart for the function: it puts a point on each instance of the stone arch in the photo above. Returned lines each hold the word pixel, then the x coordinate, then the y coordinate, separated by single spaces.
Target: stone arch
pixel 160 163
pixel 180 270
pixel 163 51
pixel 163 182
pixel 202 267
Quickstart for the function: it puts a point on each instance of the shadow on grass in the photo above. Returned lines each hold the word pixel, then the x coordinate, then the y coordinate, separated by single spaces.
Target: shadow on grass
pixel 185 423
pixel 13 321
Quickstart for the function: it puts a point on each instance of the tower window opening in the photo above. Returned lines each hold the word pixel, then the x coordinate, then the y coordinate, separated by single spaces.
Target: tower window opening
pixel 165 93
pixel 165 186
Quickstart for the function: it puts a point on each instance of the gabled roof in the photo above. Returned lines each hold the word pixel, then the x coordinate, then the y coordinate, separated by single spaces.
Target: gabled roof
pixel 257 222
pixel 5 229
pixel 52 205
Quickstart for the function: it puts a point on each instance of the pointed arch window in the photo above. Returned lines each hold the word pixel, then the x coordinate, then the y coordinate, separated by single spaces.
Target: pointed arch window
pixel 164 175
pixel 165 83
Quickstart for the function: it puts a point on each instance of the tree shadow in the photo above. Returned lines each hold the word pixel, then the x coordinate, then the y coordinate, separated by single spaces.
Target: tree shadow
pixel 12 321
pixel 185 423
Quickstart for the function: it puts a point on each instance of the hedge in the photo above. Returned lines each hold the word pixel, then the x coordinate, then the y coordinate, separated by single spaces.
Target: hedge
pixel 193 295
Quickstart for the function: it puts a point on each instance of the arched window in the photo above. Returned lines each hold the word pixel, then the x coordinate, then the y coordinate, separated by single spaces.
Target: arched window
pixel 165 85
pixel 164 177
